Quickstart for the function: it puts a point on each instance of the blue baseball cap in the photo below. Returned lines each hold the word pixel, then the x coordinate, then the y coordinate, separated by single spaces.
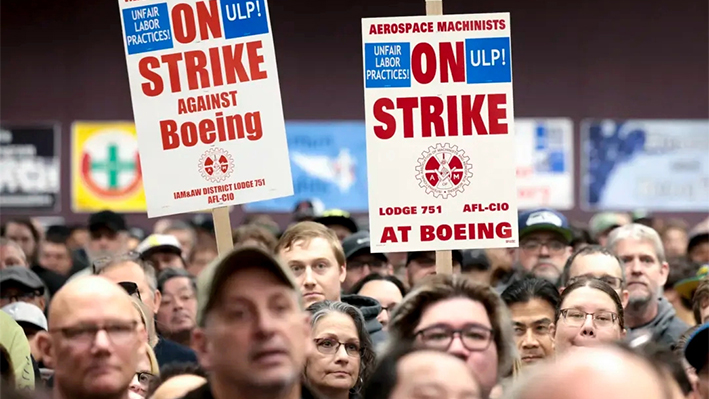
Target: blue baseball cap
pixel 697 349
pixel 544 219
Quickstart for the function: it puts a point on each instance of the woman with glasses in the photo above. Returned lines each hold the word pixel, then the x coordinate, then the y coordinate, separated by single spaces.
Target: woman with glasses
pixel 148 370
pixel 387 290
pixel 466 319
pixel 590 313
pixel 345 356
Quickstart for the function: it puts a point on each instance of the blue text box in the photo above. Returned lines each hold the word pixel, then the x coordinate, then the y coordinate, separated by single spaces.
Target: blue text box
pixel 244 18
pixel 488 60
pixel 147 28
pixel 387 65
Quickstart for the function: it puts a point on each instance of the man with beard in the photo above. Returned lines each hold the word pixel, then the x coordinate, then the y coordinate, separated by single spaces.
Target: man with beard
pixel 646 270
pixel 544 238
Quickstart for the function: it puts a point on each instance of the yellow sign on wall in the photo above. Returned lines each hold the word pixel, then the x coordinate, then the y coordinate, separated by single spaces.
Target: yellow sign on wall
pixel 106 168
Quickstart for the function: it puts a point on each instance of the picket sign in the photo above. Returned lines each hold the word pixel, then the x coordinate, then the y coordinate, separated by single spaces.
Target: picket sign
pixel 444 259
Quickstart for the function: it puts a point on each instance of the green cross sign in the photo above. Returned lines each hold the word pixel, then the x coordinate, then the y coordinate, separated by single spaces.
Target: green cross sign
pixel 113 166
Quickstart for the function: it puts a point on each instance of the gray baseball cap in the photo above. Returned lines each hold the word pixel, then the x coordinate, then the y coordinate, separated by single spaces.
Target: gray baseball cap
pixel 21 275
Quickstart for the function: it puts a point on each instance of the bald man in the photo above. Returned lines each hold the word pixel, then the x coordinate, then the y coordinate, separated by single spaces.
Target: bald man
pixel 608 373
pixel 93 340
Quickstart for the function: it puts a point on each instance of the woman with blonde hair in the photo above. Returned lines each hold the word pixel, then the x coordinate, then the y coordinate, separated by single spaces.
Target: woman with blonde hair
pixel 148 321
pixel 147 371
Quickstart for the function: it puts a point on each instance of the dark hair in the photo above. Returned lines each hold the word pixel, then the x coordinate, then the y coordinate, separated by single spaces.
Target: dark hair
pixel 580 235
pixel 7 369
pixel 23 222
pixel 57 234
pixel 171 273
pixel 594 283
pixel 375 277
pixel 255 232
pixel 680 268
pixel 385 376
pixel 588 250
pixel 173 370
pixel 700 294
pixel 318 310
pixel 523 291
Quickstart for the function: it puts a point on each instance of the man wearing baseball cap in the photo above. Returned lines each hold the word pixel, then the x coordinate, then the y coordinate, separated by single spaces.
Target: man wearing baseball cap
pixel 253 334
pixel 18 283
pixel 544 243
pixel 420 264
pixel 339 221
pixel 108 234
pixel 697 354
pixel 32 320
pixel 163 251
pixel 361 261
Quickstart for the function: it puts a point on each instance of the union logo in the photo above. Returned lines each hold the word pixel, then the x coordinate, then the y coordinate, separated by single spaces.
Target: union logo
pixel 216 165
pixel 444 170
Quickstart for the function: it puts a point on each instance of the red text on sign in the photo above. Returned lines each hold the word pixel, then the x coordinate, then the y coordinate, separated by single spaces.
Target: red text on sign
pixel 462 231
pixel 389 234
pixel 186 21
pixel 402 27
pixel 214 67
pixel 492 207
pixel 397 115
pixel 208 131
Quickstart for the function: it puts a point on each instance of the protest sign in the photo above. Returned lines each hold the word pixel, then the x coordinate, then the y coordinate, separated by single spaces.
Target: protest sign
pixel 207 104
pixel 545 169
pixel 105 171
pixel 328 163
pixel 653 165
pixel 440 132
pixel 29 168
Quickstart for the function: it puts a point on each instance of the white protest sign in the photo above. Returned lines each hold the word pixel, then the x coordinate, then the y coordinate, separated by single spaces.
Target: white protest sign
pixel 206 102
pixel 545 163
pixel 440 132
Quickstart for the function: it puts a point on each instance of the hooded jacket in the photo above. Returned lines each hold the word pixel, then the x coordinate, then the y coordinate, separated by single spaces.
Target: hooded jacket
pixel 666 327
pixel 370 309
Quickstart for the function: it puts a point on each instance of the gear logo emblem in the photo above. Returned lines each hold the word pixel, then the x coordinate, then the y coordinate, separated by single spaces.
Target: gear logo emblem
pixel 216 165
pixel 444 170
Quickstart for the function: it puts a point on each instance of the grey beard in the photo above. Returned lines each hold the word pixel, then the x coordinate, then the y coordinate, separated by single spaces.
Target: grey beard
pixel 636 303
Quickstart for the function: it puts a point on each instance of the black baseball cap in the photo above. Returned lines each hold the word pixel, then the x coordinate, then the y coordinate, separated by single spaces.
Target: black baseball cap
pixel 23 276
pixel 697 349
pixel 544 219
pixel 107 219
pixel 475 259
pixel 338 217
pixel 359 244
pixel 457 256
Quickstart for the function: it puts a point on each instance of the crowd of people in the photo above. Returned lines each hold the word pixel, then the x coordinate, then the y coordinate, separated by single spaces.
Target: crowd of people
pixel 617 308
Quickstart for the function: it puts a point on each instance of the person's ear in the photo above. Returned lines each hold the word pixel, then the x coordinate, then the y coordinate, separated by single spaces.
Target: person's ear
pixel 624 298
pixel 389 270
pixel 42 303
pixel 157 298
pixel 343 272
pixel 664 273
pixel 200 345
pixel 623 332
pixel 46 348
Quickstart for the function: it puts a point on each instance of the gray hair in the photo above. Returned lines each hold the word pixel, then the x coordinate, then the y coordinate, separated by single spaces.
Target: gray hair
pixel 151 279
pixel 178 224
pixel 638 232
pixel 6 242
pixel 319 310
pixel 585 251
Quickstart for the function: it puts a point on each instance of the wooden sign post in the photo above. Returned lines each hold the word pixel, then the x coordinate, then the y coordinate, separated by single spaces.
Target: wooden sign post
pixel 444 259
pixel 222 229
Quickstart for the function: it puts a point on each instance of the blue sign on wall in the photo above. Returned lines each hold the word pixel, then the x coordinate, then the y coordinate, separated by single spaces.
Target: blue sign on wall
pixel 328 162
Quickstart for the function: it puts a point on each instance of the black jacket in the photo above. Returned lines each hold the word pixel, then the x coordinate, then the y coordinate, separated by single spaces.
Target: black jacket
pixel 167 352
pixel 204 392
pixel 370 309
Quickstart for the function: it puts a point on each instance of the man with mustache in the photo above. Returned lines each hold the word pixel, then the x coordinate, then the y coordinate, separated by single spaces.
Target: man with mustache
pixel 178 306
pixel 640 249
pixel 93 340
pixel 544 238
pixel 253 333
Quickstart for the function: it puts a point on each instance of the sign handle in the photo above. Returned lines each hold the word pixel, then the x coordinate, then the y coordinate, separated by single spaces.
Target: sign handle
pixel 444 259
pixel 222 229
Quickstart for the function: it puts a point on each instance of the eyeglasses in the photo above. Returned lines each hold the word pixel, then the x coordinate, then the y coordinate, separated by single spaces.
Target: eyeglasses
pixel 538 329
pixel 373 264
pixel 554 246
pixel 131 288
pixel 145 378
pixel 474 337
pixel 84 335
pixel 615 282
pixel 329 346
pixel 103 262
pixel 576 317
pixel 21 297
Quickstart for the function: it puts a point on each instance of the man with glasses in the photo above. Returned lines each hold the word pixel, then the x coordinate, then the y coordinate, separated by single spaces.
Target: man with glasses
pixel 597 262
pixel 18 283
pixel 360 261
pixel 544 238
pixel 93 341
